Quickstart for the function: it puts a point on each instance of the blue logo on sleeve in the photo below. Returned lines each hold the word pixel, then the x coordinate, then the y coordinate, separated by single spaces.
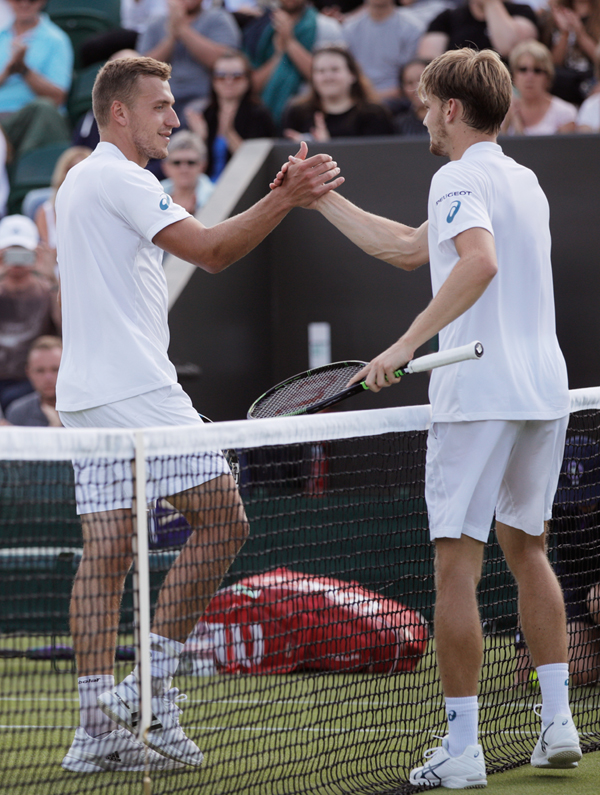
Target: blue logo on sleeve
pixel 165 202
pixel 452 713
pixel 454 208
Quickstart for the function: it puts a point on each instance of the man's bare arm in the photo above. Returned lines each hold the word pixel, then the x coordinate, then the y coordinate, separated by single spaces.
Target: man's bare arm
pixel 506 31
pixel 432 45
pixel 402 246
pixel 214 249
pixel 467 282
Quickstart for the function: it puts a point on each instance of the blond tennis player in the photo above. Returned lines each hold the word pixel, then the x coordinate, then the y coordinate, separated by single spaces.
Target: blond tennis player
pixel 114 222
pixel 498 426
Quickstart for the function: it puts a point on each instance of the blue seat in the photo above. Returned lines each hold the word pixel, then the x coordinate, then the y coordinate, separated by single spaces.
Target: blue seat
pixel 81 19
pixel 33 170
pixel 80 95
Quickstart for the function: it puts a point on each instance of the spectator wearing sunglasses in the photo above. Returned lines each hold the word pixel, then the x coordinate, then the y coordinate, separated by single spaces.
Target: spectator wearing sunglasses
pixel 184 167
pixel 534 110
pixel 233 115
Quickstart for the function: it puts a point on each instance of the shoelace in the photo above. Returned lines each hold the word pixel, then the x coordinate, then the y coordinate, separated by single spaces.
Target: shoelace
pixel 538 710
pixel 175 698
pixel 432 751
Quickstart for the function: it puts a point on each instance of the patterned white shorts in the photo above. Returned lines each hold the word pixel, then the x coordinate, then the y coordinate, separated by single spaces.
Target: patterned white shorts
pixel 103 485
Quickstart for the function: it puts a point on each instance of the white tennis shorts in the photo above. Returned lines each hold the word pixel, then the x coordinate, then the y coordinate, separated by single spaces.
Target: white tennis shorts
pixel 102 485
pixel 474 468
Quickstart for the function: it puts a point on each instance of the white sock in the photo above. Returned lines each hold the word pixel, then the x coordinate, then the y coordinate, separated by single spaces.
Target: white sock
pixel 462 723
pixel 164 659
pixel 91 717
pixel 554 684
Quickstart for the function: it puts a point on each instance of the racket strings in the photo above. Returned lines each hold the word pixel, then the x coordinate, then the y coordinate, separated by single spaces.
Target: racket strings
pixel 299 394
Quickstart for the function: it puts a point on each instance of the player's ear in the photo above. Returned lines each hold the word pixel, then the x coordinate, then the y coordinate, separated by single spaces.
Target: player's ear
pixel 454 109
pixel 118 112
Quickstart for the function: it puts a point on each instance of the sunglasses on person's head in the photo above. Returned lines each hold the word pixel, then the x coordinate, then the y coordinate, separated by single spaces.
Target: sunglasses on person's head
pixel 230 75
pixel 178 162
pixel 537 70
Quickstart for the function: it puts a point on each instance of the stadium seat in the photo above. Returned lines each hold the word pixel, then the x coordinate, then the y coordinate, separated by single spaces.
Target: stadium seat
pixel 81 19
pixel 80 95
pixel 33 200
pixel 33 170
pixel 109 10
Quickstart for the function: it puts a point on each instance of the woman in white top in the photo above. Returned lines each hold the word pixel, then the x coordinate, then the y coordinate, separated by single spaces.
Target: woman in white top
pixel 534 110
pixel 588 117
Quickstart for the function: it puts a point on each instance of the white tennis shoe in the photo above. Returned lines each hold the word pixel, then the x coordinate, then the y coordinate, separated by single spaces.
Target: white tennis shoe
pixel 558 745
pixel 466 771
pixel 165 735
pixel 112 753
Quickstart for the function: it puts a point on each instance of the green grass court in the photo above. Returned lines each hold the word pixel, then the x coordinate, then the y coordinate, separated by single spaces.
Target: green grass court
pixel 299 733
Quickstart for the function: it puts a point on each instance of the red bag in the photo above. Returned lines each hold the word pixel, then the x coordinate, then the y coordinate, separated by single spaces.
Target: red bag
pixel 284 621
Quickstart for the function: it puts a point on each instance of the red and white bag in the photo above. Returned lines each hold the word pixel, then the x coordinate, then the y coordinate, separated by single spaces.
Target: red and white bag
pixel 284 621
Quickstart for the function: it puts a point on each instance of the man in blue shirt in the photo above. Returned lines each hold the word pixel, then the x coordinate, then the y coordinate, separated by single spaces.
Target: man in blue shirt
pixel 36 64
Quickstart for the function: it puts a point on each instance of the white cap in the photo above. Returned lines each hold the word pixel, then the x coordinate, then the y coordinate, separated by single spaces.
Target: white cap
pixel 18 230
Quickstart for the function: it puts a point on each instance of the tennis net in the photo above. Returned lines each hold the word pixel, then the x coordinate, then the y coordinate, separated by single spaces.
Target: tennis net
pixel 313 669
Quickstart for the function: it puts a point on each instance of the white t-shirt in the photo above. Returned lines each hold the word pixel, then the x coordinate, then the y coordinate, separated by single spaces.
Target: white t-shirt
pixel 589 113
pixel 522 374
pixel 114 291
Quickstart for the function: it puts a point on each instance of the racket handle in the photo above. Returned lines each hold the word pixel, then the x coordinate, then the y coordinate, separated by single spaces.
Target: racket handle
pixel 474 350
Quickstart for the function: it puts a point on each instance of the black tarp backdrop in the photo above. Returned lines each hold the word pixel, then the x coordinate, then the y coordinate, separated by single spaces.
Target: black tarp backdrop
pixel 246 328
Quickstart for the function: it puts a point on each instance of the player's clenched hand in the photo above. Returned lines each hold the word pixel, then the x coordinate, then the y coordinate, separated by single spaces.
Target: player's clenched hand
pixel 307 180
pixel 380 370
pixel 300 155
pixel 304 180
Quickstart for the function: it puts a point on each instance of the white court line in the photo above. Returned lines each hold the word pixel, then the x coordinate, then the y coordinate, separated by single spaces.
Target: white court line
pixel 438 704
pixel 308 729
pixel 285 701
pixel 274 729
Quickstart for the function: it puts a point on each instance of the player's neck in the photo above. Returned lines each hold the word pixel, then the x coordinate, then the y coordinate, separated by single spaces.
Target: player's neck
pixel 464 139
pixel 125 146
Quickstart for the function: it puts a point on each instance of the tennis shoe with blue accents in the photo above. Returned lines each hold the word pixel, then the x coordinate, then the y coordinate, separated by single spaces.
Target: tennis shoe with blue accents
pixel 466 771
pixel 558 744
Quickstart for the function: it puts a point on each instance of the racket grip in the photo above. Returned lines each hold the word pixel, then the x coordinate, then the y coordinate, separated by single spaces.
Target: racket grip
pixel 474 350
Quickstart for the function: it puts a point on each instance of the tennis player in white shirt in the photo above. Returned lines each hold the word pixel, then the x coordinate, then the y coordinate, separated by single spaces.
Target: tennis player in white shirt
pixel 498 426
pixel 113 223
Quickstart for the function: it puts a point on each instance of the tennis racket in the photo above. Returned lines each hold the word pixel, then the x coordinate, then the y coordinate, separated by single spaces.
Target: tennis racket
pixel 322 387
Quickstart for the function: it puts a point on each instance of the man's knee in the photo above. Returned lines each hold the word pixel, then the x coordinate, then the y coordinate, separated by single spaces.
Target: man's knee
pixel 523 552
pixel 458 562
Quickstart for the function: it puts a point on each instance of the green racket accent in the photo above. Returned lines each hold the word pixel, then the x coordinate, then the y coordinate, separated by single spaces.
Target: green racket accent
pixel 322 387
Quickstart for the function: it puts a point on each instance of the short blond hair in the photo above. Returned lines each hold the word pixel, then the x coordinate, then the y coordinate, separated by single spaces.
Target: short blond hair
pixel 478 79
pixel 117 80
pixel 542 57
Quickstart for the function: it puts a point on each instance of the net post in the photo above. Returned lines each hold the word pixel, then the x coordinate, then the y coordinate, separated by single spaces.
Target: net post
pixel 141 585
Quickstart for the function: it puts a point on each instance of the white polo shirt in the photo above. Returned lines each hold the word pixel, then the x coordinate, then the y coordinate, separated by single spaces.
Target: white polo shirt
pixel 522 374
pixel 114 291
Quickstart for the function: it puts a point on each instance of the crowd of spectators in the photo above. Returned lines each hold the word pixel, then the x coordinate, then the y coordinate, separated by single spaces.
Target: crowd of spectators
pixel 247 69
